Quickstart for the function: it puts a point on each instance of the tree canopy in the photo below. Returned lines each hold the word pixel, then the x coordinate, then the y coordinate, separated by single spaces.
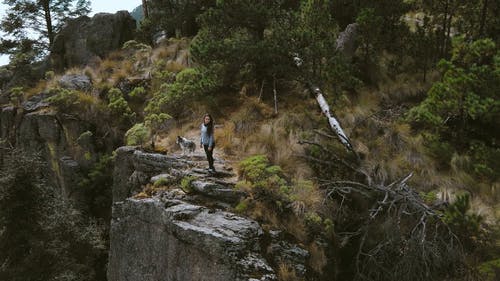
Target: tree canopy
pixel 32 25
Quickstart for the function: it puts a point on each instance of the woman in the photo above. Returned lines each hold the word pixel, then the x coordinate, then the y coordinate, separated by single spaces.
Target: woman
pixel 207 140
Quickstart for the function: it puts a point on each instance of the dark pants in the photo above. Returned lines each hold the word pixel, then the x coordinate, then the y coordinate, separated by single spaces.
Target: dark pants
pixel 210 157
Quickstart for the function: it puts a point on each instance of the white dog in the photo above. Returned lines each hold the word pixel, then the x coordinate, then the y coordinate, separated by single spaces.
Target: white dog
pixel 188 146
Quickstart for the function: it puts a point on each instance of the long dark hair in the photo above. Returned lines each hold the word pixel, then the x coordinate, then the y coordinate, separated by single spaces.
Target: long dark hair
pixel 210 125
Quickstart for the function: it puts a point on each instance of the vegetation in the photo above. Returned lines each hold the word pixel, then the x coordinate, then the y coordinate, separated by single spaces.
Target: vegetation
pixel 52 240
pixel 461 111
pixel 31 26
pixel 418 96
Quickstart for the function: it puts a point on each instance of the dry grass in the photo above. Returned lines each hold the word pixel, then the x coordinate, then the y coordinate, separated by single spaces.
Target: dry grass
pixel 175 67
pixel 317 257
pixel 287 273
pixel 306 196
pixel 295 226
pixel 39 87
pixel 226 140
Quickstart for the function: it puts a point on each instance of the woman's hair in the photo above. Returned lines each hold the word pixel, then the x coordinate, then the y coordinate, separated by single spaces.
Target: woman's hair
pixel 210 125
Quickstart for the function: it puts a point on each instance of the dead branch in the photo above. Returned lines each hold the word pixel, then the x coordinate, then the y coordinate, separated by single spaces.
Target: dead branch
pixel 416 230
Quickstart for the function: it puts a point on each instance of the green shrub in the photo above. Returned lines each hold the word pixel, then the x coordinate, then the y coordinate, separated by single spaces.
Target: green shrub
pixel 190 83
pixel 490 270
pixel 161 182
pixel 49 75
pixel 138 92
pixel 241 207
pixel 16 95
pixel 186 183
pixel 429 197
pixel 466 225
pixel 139 134
pixel 119 106
pixel 71 101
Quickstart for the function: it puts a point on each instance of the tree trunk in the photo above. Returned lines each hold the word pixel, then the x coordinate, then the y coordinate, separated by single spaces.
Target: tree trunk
pixel 334 124
pixel 275 96
pixel 483 18
pixel 261 89
pixel 48 21
pixel 145 10
pixel 445 21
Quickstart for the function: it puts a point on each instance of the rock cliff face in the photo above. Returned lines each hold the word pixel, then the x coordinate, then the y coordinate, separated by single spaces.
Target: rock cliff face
pixel 162 239
pixel 84 38
pixel 54 138
pixel 174 235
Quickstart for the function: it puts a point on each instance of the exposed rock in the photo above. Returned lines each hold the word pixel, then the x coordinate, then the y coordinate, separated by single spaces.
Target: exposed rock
pixel 126 85
pixel 290 254
pixel 83 38
pixel 136 180
pixel 123 170
pixel 134 168
pixel 7 119
pixel 79 82
pixel 70 177
pixel 54 139
pixel 218 191
pixel 169 178
pixel 5 76
pixel 169 240
pixel 347 40
pixel 35 102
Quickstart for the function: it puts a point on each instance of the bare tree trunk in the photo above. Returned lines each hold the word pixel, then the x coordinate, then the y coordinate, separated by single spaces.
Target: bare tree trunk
pixel 334 124
pixel 261 89
pixel 275 96
pixel 483 18
pixel 445 21
pixel 48 22
pixel 145 10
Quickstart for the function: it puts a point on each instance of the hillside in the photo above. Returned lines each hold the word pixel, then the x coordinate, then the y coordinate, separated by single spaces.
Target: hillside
pixel 88 142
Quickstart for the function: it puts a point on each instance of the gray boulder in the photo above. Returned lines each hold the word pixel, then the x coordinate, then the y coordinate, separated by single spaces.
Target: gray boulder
pixel 79 82
pixel 347 40
pixel 218 191
pixel 167 240
pixel 291 254
pixel 84 38
pixel 7 119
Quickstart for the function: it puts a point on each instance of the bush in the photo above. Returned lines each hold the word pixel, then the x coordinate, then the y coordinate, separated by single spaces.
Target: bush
pixel 463 222
pixel 139 134
pixel 42 236
pixel 189 84
pixel 138 92
pixel 186 184
pixel 119 106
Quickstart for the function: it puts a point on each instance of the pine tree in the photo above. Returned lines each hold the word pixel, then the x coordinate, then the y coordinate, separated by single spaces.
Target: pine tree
pixel 30 24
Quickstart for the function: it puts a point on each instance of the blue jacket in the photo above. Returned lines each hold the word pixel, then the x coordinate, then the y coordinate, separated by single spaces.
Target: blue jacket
pixel 205 138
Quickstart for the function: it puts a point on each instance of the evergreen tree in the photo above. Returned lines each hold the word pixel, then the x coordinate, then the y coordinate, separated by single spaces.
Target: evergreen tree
pixel 463 110
pixel 177 18
pixel 31 24
pixel 41 236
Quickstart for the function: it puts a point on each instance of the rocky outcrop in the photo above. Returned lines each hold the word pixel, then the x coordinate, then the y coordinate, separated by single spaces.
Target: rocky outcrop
pixel 135 168
pixel 347 40
pixel 187 233
pixel 166 240
pixel 79 82
pixel 54 138
pixel 82 39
